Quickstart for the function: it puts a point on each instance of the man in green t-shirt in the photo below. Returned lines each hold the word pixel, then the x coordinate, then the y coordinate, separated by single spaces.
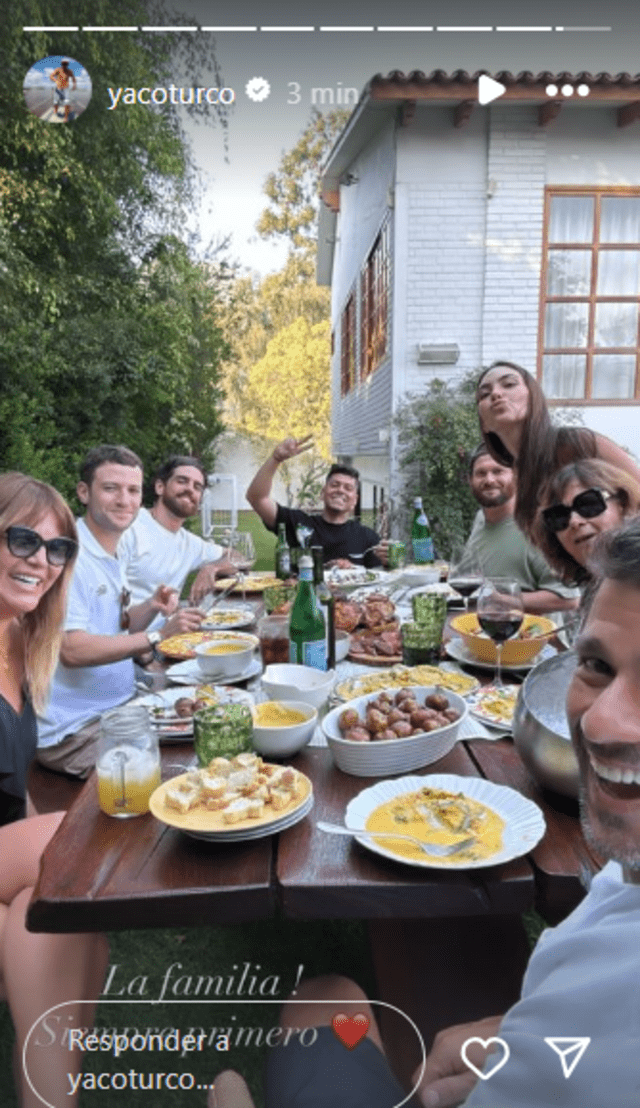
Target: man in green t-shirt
pixel 497 545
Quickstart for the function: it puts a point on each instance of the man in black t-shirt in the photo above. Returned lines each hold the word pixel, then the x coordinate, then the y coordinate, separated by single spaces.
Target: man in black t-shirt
pixel 334 529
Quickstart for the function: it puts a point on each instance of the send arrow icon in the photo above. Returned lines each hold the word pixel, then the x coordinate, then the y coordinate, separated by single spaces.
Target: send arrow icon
pixel 569 1051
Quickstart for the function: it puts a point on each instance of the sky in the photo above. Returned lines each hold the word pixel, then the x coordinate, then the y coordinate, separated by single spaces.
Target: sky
pixel 294 63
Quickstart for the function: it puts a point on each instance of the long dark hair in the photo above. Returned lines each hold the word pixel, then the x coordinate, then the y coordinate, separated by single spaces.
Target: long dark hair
pixel 590 473
pixel 543 448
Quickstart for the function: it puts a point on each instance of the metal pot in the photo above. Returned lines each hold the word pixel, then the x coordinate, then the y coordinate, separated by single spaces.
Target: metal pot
pixel 540 728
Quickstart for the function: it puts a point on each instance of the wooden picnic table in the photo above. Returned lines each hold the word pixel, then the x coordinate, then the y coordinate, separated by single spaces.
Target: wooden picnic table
pixel 447 946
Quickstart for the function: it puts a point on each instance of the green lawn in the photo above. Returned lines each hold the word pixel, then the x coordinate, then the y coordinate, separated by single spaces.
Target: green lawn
pixel 274 950
pixel 264 541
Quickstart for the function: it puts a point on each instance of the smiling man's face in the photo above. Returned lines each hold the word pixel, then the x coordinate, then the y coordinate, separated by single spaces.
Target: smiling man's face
pixel 603 706
pixel 339 495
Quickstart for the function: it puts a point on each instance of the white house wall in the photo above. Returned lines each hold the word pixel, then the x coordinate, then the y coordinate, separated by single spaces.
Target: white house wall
pixel 440 222
pixel 468 207
pixel 580 147
pixel 358 417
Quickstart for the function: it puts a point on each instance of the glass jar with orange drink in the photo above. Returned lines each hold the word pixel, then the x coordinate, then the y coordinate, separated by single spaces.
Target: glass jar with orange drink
pixel 128 765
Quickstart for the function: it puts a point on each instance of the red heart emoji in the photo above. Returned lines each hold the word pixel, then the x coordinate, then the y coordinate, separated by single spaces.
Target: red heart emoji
pixel 350 1029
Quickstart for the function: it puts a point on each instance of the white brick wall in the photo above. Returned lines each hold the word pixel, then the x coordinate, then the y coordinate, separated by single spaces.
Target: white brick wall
pixel 516 171
pixel 467 244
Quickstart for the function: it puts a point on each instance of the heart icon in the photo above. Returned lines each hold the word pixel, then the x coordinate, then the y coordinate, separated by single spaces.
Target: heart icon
pixel 484 1043
pixel 350 1029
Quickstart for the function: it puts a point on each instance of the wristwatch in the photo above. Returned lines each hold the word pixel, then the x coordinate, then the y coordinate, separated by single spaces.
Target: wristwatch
pixel 154 638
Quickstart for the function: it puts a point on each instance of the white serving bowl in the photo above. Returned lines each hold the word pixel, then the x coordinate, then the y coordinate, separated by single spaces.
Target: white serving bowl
pixel 414 575
pixel 282 742
pixel 286 681
pixel 343 642
pixel 383 757
pixel 225 665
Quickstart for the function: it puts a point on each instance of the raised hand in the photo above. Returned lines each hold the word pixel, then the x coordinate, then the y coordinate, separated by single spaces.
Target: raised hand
pixel 290 448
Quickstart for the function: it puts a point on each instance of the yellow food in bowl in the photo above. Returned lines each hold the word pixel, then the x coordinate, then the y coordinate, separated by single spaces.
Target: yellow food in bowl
pixel 272 714
pixel 226 648
pixel 529 641
pixel 437 816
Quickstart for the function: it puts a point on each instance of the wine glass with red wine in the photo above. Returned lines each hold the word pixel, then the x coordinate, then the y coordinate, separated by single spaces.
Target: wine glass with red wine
pixel 500 614
pixel 466 578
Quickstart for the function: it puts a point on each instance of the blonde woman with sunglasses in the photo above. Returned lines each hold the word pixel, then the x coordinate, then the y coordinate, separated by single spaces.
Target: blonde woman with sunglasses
pixel 38 545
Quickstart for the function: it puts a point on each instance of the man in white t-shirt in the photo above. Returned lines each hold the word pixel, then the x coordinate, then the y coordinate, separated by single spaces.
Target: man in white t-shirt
pixel 102 634
pixel 582 979
pixel 157 548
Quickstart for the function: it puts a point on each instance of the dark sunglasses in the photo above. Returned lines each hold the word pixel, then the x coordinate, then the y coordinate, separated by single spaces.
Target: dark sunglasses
pixel 23 543
pixel 588 504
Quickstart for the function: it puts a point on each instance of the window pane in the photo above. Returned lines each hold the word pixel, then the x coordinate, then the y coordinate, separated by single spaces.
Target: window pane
pixel 613 376
pixel 616 325
pixel 563 376
pixel 620 219
pixel 618 273
pixel 571 219
pixel 568 272
pixel 566 325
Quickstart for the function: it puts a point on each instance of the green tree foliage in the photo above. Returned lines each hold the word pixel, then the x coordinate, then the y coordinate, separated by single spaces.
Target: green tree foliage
pixel 108 328
pixel 436 432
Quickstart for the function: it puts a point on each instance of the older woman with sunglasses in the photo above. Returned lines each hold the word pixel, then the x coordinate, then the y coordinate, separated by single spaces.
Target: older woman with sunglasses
pixel 518 432
pixel 579 503
pixel 37 972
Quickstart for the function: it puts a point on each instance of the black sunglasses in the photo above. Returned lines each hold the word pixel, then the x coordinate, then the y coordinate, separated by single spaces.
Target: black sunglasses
pixel 23 543
pixel 588 504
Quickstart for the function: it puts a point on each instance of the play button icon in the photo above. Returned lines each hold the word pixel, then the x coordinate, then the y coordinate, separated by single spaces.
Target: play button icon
pixel 489 90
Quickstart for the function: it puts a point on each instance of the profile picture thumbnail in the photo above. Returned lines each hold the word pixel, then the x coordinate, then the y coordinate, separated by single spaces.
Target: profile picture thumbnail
pixel 57 89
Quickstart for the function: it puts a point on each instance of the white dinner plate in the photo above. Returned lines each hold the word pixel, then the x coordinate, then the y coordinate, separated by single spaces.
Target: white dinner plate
pixel 173 728
pixel 232 836
pixel 208 825
pixel 225 617
pixel 480 706
pixel 349 579
pixel 524 822
pixel 185 673
pixel 457 650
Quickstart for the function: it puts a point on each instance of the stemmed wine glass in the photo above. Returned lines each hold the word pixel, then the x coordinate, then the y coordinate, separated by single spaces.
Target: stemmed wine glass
pixel 500 614
pixel 465 576
pixel 242 553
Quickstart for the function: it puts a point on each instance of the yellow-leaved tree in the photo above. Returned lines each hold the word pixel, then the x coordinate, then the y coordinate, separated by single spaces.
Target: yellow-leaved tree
pixel 278 377
pixel 288 393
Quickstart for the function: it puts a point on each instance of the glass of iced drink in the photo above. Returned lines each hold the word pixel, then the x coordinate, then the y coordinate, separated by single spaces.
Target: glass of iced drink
pixel 128 765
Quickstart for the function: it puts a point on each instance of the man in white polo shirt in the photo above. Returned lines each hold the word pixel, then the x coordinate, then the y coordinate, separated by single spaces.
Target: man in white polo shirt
pixel 157 548
pixel 102 633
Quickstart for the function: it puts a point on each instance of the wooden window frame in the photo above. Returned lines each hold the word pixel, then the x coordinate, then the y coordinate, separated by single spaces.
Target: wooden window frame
pixel 592 299
pixel 348 346
pixel 375 288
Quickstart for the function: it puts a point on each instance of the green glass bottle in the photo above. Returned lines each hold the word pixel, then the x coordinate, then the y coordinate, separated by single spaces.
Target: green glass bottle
pixel 283 554
pixel 421 541
pixel 307 640
pixel 327 603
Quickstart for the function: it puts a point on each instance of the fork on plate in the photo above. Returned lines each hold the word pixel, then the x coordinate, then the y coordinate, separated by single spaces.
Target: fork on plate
pixel 434 850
